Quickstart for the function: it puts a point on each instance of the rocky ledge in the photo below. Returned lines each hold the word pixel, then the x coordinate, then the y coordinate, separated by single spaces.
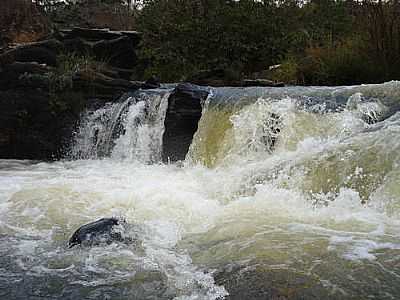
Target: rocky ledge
pixel 220 77
pixel 44 86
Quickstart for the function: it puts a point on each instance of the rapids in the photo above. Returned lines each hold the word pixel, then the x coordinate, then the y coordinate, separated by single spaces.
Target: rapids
pixel 285 193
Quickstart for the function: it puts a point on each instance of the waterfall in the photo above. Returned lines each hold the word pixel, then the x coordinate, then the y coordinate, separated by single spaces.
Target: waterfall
pixel 236 122
pixel 285 193
pixel 253 123
pixel 130 129
pixel 317 140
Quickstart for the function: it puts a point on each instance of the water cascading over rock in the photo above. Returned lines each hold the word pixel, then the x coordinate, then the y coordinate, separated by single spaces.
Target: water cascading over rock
pixel 147 126
pixel 289 193
pixel 181 121
pixel 129 129
pixel 159 125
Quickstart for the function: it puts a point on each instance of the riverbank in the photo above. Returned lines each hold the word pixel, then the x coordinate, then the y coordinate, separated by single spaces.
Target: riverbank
pixel 45 86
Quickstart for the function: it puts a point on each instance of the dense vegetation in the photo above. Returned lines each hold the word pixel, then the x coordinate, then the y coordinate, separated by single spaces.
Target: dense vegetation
pixel 319 42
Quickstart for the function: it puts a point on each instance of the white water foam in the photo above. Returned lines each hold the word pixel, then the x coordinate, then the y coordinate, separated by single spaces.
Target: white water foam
pixel 323 203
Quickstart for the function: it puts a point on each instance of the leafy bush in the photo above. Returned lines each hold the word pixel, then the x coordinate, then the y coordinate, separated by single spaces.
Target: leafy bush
pixel 287 71
pixel 69 64
pixel 183 37
pixel 342 64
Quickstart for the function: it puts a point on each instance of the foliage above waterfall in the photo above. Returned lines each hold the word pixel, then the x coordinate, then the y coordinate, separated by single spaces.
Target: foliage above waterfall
pixel 316 42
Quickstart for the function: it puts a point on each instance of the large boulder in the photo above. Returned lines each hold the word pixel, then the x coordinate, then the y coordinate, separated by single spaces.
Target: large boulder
pixel 100 231
pixel 43 52
pixel 181 120
pixel 117 48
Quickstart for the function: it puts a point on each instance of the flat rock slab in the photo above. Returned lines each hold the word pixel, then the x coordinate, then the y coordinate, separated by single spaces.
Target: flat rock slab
pixel 98 34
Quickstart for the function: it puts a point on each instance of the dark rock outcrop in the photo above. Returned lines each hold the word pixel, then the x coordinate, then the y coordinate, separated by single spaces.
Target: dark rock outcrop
pixel 181 121
pixel 44 52
pixel 89 34
pixel 117 48
pixel 33 125
pixel 45 85
pixel 13 75
pixel 100 231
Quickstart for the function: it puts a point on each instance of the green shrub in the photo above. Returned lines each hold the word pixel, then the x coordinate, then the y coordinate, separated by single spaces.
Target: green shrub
pixel 288 72
pixel 341 64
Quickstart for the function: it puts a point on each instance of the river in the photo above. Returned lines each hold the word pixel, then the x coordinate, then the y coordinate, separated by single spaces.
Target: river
pixel 285 193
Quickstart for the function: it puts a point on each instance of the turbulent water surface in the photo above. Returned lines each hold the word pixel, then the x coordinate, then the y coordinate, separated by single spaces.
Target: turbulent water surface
pixel 288 193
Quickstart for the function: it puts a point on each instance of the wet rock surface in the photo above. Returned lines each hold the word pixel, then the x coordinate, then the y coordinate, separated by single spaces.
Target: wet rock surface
pixel 181 121
pixel 45 85
pixel 96 232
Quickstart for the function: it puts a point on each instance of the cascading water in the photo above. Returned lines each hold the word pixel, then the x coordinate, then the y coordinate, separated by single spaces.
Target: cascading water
pixel 285 193
pixel 130 129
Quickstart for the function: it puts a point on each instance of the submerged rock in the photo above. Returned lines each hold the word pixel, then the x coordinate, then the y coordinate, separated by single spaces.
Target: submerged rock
pixel 97 232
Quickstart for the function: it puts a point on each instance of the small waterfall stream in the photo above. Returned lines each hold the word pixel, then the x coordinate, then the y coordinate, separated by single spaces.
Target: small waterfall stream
pixel 129 129
pixel 285 193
